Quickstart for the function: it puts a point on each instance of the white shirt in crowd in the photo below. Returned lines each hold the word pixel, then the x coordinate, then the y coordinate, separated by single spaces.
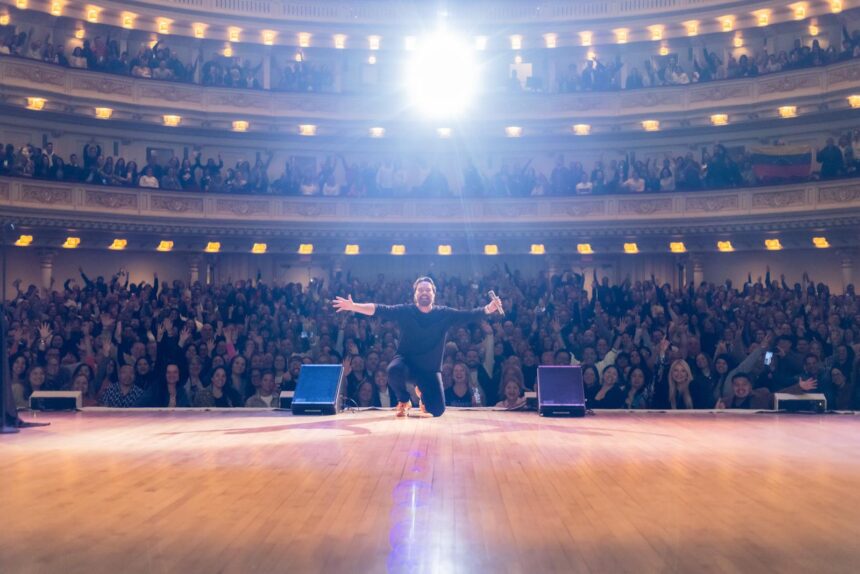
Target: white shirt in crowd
pixel 148 181
pixel 385 399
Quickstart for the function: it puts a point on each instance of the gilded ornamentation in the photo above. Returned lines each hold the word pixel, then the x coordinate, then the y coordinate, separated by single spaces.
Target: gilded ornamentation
pixel 778 199
pixel 789 83
pixel 243 206
pixel 644 206
pixel 48 195
pixel 509 209
pixel 104 85
pixel 376 209
pixel 578 208
pixel 317 209
pixel 838 194
pixel 712 203
pixel 38 74
pixel 111 200
pixel 175 204
pixel 170 93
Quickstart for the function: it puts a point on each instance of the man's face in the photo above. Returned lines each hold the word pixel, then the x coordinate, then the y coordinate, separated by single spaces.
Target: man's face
pixel 172 374
pixel 267 384
pixel 811 365
pixel 472 358
pixel 126 375
pixel 742 387
pixel 424 294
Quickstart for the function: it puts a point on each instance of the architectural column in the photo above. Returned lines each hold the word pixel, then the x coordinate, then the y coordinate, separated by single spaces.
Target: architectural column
pixel 46 263
pixel 267 69
pixel 194 269
pixel 698 270
pixel 847 270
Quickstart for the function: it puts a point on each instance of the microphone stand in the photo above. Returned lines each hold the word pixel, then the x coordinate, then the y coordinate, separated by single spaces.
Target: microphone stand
pixel 6 428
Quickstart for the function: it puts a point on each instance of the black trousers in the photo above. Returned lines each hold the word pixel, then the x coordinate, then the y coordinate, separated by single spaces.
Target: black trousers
pixel 428 382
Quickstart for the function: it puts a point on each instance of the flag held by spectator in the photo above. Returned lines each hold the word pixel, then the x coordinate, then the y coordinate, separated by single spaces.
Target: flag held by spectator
pixel 781 162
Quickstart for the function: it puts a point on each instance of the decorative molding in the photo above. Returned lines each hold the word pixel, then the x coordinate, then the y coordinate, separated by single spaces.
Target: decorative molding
pixel 511 210
pixel 111 199
pixel 46 195
pixel 169 92
pixel 175 204
pixel 578 209
pixel 39 74
pixel 782 83
pixel 309 208
pixel 778 199
pixel 716 93
pixel 242 207
pixel 376 209
pixel 95 82
pixel 712 203
pixel 644 206
pixel 844 194
pixel 5 190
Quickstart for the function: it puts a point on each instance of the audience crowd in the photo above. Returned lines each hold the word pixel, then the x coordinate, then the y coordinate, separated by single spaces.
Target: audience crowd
pixel 641 344
pixel 335 176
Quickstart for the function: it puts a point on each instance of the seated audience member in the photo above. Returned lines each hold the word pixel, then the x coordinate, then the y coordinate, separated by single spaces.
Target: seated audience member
pixel 20 388
pixel 82 384
pixel 680 377
pixel 844 396
pixel 265 397
pixel 590 383
pixel 637 392
pixel 460 393
pixel 363 396
pixel 166 392
pixel 218 393
pixel 124 393
pixel 612 391
pixel 512 390
pixel 745 397
pixel 383 395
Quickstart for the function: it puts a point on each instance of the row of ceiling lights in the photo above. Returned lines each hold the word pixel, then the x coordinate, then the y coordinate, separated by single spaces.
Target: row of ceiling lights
pixel 656 32
pixel 173 120
pixel 120 244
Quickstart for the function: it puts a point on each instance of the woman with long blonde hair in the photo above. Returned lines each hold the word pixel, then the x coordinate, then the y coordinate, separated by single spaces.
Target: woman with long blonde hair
pixel 680 377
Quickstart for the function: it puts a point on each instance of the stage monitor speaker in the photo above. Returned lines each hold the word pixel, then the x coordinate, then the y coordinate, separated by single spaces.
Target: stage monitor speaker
pixel 804 403
pixel 318 390
pixel 560 391
pixel 285 400
pixel 55 400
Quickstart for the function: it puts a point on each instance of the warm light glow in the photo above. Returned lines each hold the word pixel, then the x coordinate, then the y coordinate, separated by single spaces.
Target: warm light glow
pixel 664 50
pixel 21 4
pixel 621 35
pixel 591 55
pixel 24 241
pixel 377 132
pixel 677 247
pixel 518 59
pixel 551 40
pixel 304 39
pixel 656 32
pixel 725 246
pixel 441 76
pixel 584 248
pixel 104 113
pixel 854 101
pixel 410 43
pixel 762 18
pixel 537 249
pixel 268 37
pixel 813 30
pixel 199 30
pixel 56 8
pixel 444 250
pixel 631 248
pixel 371 59
pixel 36 103
pixel 491 249
pixel 836 6
pixel 164 246
pixel 738 41
pixel 233 33
pixel 513 131
pixel 4 19
pixel 307 130
pixel 298 57
pixel 373 42
pixel 799 11
pixel 71 243
pixel 819 242
pixel 259 248
pixel 443 133
pixel 80 33
pixel 720 119
pixel 772 244
pixel 306 249
pixel 339 41
pixel 228 51
pixel 480 43
pixel 585 38
pixel 398 250
pixel 128 20
pixel 351 249
pixel 581 129
pixel 163 26
pixel 213 247
pixel 692 27
pixel 172 120
pixel 118 244
pixel 93 14
pixel 516 42
pixel 727 23
pixel 788 111
pixel 651 125
pixel 241 125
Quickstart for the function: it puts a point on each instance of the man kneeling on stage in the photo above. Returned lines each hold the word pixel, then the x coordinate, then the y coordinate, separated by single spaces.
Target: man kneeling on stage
pixel 423 330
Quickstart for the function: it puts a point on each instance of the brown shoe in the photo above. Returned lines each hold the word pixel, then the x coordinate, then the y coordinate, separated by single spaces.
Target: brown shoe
pixel 403 408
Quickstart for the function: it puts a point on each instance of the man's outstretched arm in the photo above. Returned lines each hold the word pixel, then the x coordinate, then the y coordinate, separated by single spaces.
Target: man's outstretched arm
pixel 342 305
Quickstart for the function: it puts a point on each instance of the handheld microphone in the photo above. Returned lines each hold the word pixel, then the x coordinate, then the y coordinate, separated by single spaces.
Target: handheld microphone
pixel 495 298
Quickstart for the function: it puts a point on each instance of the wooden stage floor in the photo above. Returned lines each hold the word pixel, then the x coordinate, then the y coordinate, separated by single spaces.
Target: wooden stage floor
pixel 159 492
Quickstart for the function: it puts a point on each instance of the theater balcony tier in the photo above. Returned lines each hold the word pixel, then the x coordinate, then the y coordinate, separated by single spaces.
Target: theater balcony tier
pixel 76 93
pixel 794 214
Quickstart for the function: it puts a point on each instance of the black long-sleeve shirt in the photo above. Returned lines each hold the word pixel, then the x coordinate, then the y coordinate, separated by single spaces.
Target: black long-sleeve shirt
pixel 423 335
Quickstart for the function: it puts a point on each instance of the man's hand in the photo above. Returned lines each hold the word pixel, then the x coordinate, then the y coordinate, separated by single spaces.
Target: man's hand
pixel 494 306
pixel 807 385
pixel 342 305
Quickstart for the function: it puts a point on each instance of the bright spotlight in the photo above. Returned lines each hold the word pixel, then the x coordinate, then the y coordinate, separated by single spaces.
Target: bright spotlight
pixel 442 77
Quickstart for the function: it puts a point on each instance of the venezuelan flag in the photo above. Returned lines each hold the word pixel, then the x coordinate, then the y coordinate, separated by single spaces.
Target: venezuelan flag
pixel 781 162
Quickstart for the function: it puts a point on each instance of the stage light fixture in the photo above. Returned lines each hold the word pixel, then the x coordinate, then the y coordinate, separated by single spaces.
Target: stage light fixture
pixel 304 40
pixel 373 42
pixel 491 249
pixel 4 19
pixel 584 249
pixel 228 51
pixel 581 129
pixel 339 41
pixel 163 26
pixel 719 119
pixel 36 103
pixel 799 11
pixel 550 40
pixel 351 249
pixel 443 133
pixel 127 21
pixel 233 33
pixel 738 41
pixel 725 246
pixel 762 18
pixel 787 112
pixel 306 249
pixel 259 248
pixel 71 243
pixel 621 35
pixel 727 23
pixel 212 247
pixel 118 244
pixel 656 32
pixel 444 250
pixel 21 4
pixel 80 33
pixel 664 50
pixel 307 130
pixel 772 245
pixel 171 120
pixel 398 250
pixel 537 249
pixel 268 37
pixel 820 242
pixel 854 101
pixel 631 248
pixel 516 42
pixel 692 27
pixel 813 30
pixel 164 246
pixel 585 38
pixel 24 241
pixel 199 30
pixel 442 76
pixel 104 113
pixel 651 125
pixel 677 247
pixel 377 132
pixel 513 131
pixel 241 125
pixel 56 8
pixel 836 6
pixel 93 14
